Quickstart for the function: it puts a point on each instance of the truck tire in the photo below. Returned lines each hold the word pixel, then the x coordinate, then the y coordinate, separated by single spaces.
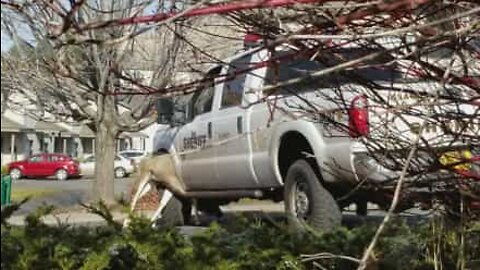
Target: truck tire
pixel 307 202
pixel 172 214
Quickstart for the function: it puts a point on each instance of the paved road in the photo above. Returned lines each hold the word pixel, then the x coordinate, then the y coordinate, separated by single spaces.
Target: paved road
pixel 70 193
pixel 71 184
pixel 64 194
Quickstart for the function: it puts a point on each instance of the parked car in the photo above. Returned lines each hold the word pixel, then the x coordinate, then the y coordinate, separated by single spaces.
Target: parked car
pixel 43 165
pixel 135 155
pixel 122 166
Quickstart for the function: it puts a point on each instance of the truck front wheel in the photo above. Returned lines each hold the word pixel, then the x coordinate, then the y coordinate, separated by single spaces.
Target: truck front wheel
pixel 307 202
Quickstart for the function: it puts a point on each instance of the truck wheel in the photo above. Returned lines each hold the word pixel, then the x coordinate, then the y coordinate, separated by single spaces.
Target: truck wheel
pixel 172 214
pixel 307 202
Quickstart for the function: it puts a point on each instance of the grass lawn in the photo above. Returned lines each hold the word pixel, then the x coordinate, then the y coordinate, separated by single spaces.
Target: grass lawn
pixel 19 194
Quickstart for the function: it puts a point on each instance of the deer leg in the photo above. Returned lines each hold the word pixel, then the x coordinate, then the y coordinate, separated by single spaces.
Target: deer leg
pixel 166 197
pixel 142 188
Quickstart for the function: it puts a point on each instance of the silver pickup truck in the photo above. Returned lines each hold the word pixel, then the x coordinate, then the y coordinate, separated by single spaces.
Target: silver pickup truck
pixel 243 134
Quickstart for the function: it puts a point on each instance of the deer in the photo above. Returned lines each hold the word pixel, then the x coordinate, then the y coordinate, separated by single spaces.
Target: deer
pixel 159 169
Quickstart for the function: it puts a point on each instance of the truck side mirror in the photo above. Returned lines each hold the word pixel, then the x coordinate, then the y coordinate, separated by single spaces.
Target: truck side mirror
pixel 164 108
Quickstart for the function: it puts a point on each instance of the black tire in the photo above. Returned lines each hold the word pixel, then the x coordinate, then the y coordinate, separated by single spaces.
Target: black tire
pixel 172 214
pixel 187 211
pixel 362 208
pixel 307 202
pixel 210 207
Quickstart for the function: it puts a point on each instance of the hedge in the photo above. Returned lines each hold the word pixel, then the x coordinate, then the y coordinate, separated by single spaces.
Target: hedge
pixel 240 244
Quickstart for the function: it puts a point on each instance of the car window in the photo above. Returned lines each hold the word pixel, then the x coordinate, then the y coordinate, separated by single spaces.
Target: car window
pixel 54 158
pixel 90 159
pixel 235 84
pixel 37 158
pixel 117 158
pixel 131 154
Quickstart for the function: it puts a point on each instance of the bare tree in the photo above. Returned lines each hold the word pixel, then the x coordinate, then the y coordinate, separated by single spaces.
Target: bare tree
pixel 424 94
pixel 78 76
pixel 404 43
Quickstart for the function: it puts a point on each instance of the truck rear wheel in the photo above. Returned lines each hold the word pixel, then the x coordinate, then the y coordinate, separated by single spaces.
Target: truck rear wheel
pixel 307 202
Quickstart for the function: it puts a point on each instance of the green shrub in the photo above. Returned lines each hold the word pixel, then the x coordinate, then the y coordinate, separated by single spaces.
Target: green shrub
pixel 242 244
pixel 4 169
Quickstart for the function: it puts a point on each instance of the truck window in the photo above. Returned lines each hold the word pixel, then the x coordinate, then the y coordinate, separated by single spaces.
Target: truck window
pixel 204 100
pixel 303 67
pixel 291 69
pixel 233 88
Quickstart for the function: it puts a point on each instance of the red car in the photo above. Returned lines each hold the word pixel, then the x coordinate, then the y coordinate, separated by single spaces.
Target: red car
pixel 43 165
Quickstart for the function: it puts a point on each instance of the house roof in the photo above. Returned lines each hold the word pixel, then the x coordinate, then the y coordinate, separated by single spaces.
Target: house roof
pixel 133 135
pixel 85 131
pixel 10 126
pixel 49 127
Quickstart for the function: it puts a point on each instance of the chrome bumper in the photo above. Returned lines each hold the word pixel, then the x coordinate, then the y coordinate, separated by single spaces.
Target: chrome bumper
pixel 366 168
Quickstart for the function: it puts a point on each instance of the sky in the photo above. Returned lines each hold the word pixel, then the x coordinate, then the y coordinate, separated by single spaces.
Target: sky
pixel 6 43
pixel 24 33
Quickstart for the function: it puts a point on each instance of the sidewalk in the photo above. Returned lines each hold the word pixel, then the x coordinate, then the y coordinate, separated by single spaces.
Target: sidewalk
pixel 80 218
pixel 83 218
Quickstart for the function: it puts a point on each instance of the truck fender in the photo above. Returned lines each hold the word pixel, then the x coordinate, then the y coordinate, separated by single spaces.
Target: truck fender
pixel 310 132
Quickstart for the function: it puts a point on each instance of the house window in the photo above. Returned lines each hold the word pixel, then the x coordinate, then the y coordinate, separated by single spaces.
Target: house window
pixel 5 145
pixel 87 144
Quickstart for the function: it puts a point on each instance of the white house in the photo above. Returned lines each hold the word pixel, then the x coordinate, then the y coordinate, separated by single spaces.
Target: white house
pixel 22 136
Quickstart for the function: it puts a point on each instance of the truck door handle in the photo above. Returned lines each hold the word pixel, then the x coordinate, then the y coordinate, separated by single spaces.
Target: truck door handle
pixel 239 125
pixel 209 130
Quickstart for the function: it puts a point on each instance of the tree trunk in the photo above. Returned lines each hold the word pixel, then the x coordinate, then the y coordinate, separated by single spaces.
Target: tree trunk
pixel 103 185
pixel 106 134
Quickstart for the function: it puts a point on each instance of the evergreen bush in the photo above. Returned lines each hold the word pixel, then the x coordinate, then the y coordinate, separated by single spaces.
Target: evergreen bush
pixel 242 244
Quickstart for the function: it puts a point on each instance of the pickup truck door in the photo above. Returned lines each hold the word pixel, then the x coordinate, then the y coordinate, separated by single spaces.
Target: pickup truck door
pixel 193 141
pixel 231 139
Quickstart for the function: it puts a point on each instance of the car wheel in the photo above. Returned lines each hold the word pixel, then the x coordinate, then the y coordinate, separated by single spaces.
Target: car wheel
pixel 120 173
pixel 61 175
pixel 15 174
pixel 307 202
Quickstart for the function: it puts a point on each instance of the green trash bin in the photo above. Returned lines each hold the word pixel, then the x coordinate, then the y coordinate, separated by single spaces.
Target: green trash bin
pixel 6 189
